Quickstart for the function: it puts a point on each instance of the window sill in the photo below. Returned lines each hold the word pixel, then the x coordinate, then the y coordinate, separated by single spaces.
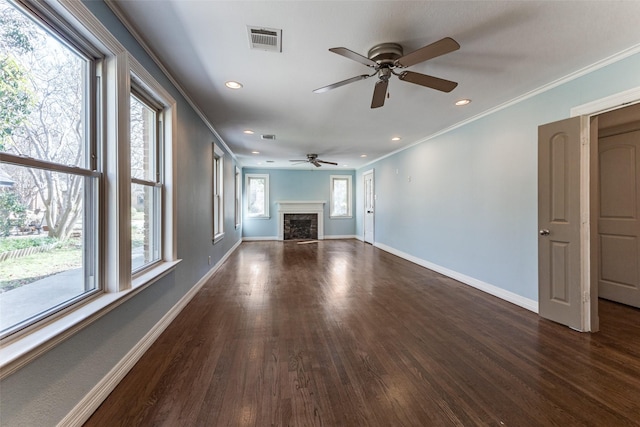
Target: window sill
pixel 259 217
pixel 341 217
pixel 16 353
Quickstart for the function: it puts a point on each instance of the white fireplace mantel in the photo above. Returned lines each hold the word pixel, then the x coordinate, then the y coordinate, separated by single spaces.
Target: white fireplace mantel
pixel 301 207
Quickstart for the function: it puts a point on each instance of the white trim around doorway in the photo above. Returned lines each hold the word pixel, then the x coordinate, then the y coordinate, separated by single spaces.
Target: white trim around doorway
pixel 589 110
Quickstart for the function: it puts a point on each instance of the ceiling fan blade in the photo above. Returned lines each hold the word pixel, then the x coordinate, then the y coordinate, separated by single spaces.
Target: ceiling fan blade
pixel 327 163
pixel 432 50
pixel 379 93
pixel 428 81
pixel 315 162
pixel 353 56
pixel 342 83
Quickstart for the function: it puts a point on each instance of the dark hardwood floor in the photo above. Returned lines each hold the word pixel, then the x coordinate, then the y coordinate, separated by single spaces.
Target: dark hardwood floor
pixel 340 333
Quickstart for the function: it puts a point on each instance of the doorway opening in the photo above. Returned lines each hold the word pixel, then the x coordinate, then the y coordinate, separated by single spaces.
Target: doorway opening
pixel 615 207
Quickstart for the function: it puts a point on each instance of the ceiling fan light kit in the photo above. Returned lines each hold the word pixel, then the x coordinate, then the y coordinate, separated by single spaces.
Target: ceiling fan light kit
pixel 385 58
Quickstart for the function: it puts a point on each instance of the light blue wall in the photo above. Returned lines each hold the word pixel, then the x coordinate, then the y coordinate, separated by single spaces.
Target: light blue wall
pixel 288 184
pixel 471 205
pixel 47 389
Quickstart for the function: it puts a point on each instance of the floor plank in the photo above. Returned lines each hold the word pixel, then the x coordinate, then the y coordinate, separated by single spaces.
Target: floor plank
pixel 340 333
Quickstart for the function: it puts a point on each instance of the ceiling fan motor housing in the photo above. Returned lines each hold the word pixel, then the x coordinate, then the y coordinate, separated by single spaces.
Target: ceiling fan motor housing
pixel 385 53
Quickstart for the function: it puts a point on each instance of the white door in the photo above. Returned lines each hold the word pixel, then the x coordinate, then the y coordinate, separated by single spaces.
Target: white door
pixel 559 251
pixel 618 218
pixel 369 205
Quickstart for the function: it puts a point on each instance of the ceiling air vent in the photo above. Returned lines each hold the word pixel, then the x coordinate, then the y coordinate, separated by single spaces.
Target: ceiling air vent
pixel 272 137
pixel 265 39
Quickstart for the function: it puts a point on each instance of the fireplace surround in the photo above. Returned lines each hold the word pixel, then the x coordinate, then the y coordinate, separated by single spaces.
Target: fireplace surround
pixel 301 207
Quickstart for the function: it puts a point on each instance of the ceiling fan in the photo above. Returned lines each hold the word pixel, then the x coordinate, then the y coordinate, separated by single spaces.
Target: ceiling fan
pixel 314 160
pixel 385 58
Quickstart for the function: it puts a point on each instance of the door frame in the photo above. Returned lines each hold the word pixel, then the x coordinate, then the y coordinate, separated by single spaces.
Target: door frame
pixel 588 196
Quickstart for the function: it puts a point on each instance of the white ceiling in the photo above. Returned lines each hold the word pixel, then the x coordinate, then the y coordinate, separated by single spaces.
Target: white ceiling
pixel 508 48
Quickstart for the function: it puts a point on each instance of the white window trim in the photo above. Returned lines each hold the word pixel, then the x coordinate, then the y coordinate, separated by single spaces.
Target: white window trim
pixel 238 197
pixel 218 185
pixel 169 160
pixel 116 281
pixel 349 196
pixel 267 201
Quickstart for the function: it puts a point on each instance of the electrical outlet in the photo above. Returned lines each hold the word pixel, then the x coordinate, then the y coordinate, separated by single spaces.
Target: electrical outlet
pixel 209 259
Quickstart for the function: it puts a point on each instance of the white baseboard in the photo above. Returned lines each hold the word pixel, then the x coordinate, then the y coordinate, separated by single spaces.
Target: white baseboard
pixel 509 296
pixel 337 236
pixel 259 238
pixel 87 406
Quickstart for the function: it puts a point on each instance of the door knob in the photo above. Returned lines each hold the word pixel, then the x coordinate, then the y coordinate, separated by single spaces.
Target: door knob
pixel 544 232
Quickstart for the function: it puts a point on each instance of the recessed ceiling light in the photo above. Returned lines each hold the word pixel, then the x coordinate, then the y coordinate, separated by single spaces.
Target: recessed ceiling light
pixel 463 102
pixel 248 132
pixel 396 138
pixel 233 85
pixel 255 152
pixel 363 155
pixel 345 165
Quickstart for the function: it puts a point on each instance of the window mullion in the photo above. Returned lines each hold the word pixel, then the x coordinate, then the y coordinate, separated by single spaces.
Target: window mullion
pixel 118 207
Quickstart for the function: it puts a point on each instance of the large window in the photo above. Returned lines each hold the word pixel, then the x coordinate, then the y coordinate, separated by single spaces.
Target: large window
pixel 146 180
pixel 218 199
pixel 257 189
pixel 87 203
pixel 49 166
pixel 340 196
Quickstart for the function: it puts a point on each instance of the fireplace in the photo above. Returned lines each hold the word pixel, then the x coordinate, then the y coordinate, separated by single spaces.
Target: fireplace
pixel 300 226
pixel 301 220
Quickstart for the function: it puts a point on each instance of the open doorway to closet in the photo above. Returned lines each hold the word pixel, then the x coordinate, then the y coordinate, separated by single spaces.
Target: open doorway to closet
pixel 589 211
pixel 615 195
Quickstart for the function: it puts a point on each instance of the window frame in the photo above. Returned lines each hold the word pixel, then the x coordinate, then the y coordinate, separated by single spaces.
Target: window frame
pixel 157 183
pixel 238 197
pixel 332 199
pixel 218 193
pixel 117 283
pixel 88 170
pixel 247 186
